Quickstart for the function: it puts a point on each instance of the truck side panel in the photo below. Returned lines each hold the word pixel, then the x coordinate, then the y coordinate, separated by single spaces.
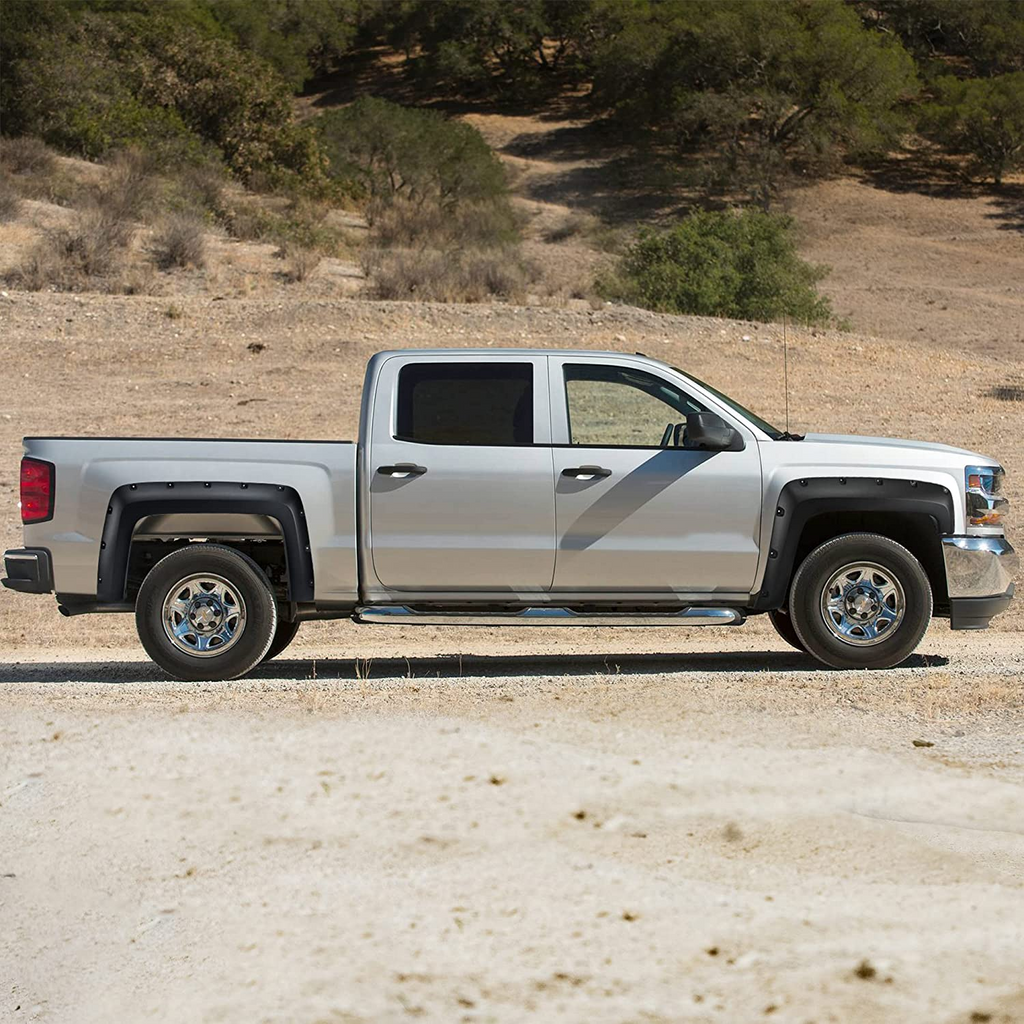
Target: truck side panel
pixel 89 471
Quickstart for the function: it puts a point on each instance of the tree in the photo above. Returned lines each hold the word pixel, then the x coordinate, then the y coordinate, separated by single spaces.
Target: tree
pixel 983 117
pixel 416 155
pixel 769 85
pixel 723 263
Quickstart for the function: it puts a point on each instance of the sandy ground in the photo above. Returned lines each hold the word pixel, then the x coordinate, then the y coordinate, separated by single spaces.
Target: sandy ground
pixel 503 837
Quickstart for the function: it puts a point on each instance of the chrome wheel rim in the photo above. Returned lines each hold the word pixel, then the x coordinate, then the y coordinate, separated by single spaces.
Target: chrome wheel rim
pixel 863 604
pixel 203 615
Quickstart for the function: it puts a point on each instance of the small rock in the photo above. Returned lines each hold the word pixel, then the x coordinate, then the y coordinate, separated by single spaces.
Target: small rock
pixel 865 970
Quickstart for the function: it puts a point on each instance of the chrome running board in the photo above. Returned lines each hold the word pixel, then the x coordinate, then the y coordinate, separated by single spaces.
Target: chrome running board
pixel 378 614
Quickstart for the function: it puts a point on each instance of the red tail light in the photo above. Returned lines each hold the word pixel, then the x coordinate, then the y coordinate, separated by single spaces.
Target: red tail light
pixel 36 491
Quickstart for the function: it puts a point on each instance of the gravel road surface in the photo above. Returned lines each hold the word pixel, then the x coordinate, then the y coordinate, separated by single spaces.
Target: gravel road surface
pixel 489 832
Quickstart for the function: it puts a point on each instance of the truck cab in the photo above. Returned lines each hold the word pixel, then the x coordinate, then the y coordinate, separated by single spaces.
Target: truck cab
pixel 519 486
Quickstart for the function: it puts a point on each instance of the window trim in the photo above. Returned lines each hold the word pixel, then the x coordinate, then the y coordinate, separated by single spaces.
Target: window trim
pixel 535 392
pixel 566 363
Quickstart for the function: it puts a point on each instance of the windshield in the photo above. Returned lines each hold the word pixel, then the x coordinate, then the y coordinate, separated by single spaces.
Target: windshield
pixel 772 432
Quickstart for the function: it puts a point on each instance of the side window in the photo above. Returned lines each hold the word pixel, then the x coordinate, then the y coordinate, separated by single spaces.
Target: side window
pixel 466 403
pixel 616 405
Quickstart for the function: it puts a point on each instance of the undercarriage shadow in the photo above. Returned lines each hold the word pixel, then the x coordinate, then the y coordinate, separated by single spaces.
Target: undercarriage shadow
pixel 451 667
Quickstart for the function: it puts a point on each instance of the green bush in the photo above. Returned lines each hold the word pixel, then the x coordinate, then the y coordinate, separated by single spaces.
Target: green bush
pixel 983 117
pixel 417 155
pixel 114 80
pixel 742 265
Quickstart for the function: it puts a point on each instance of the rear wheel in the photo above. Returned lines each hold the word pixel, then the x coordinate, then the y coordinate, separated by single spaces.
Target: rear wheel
pixel 784 627
pixel 206 612
pixel 282 638
pixel 860 601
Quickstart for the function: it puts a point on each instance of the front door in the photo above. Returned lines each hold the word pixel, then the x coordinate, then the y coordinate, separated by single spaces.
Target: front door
pixel 636 510
pixel 461 495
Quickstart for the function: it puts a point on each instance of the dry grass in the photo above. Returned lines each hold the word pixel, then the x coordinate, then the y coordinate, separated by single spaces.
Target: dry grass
pixel 26 155
pixel 10 201
pixel 403 224
pixel 575 225
pixel 87 254
pixel 180 242
pixel 300 262
pixel 436 276
pixel 129 191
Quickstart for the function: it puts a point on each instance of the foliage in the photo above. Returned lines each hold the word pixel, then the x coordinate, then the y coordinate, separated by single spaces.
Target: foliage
pixel 113 79
pixel 769 86
pixel 741 265
pixel 983 117
pixel 417 155
pixel 299 38
pixel 489 46
pixel 985 35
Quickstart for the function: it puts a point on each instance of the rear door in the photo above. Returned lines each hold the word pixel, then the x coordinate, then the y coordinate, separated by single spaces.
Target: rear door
pixel 636 510
pixel 461 493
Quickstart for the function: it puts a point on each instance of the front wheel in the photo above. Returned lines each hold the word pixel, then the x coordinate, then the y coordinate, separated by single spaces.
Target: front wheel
pixel 784 627
pixel 206 612
pixel 860 601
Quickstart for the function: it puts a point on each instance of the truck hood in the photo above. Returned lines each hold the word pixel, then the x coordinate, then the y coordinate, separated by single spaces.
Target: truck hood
pixel 895 442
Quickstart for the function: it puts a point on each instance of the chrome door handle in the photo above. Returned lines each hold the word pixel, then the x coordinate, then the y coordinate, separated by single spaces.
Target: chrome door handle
pixel 590 472
pixel 402 469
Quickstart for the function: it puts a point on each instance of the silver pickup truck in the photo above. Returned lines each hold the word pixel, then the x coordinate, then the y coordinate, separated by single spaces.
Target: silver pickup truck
pixel 518 487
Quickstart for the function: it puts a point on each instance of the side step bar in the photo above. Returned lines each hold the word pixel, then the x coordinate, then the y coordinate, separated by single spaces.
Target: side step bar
pixel 383 614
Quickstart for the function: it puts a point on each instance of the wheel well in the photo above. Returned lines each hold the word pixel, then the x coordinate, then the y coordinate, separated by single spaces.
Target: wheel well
pixel 267 552
pixel 918 532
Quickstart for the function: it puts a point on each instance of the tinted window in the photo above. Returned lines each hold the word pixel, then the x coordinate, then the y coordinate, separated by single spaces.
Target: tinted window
pixel 616 405
pixel 466 403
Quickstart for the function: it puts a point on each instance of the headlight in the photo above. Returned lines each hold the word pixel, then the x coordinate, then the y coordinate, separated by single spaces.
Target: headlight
pixel 985 507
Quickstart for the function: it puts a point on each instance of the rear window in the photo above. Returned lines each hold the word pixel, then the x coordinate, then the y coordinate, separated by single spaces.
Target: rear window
pixel 466 403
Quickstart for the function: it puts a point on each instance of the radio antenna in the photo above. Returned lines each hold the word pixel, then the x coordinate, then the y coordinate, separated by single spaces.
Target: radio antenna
pixel 785 368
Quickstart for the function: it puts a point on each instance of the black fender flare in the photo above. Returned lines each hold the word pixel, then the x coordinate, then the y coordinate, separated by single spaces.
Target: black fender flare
pixel 802 500
pixel 133 502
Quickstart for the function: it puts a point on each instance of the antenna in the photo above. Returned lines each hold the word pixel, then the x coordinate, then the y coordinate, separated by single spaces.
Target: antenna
pixel 785 368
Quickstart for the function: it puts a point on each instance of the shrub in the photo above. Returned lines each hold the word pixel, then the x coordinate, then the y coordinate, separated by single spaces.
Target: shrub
pixel 574 224
pixel 200 188
pixel 181 242
pixel 10 201
pixel 82 255
pixel 741 265
pixel 435 276
pixel 405 223
pixel 300 262
pixel 419 155
pixel 129 190
pixel 26 155
pixel 983 117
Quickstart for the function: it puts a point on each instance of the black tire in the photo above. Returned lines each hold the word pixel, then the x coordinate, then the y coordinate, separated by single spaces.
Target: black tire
pixel 246 588
pixel 282 638
pixel 784 627
pixel 894 563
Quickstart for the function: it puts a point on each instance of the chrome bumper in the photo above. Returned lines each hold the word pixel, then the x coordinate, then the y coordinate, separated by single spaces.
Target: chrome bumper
pixel 978 566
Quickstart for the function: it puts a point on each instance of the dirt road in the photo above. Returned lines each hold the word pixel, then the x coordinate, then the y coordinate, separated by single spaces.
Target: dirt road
pixel 499 836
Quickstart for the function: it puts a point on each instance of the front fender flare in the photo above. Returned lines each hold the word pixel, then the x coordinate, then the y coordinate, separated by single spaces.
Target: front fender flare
pixel 802 500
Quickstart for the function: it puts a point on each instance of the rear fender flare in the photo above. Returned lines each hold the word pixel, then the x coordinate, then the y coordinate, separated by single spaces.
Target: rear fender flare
pixel 133 502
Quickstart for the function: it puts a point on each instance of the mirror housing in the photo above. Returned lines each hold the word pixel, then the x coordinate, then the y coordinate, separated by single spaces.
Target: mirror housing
pixel 707 431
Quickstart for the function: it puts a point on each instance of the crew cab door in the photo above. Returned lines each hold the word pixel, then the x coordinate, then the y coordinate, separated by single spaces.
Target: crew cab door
pixel 634 515
pixel 459 470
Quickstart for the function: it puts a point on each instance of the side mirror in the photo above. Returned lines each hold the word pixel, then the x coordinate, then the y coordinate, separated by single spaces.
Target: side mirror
pixel 709 432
